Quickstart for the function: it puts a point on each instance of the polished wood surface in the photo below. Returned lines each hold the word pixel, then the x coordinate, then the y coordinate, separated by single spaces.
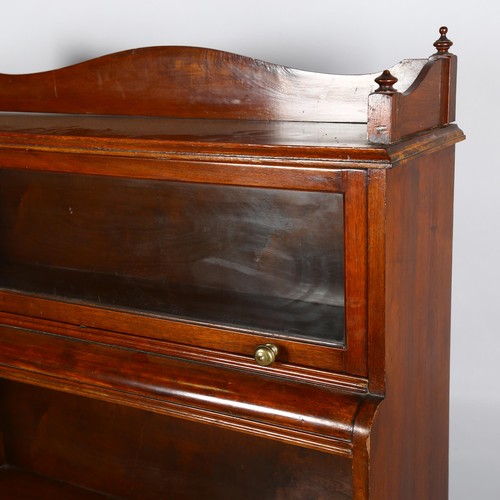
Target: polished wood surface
pixel 228 397
pixel 166 212
pixel 419 221
pixel 228 142
pixel 429 101
pixel 188 82
pixel 128 453
pixel 19 484
pixel 32 256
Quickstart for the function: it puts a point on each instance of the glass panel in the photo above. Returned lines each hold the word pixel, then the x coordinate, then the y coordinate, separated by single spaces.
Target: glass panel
pixel 261 259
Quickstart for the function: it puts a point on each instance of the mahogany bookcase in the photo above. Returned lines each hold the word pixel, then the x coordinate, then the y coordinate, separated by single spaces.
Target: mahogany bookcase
pixel 222 278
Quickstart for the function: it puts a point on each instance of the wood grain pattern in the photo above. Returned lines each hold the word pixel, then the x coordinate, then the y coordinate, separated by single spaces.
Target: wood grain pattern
pixel 187 82
pixel 355 274
pixel 409 440
pixel 121 174
pixel 376 281
pixel 225 142
pixel 81 441
pixel 194 390
pixel 426 104
pixel 420 106
pixel 183 338
pixel 17 484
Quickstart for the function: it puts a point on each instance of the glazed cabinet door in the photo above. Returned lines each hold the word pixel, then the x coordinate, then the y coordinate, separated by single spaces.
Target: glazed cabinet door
pixel 212 269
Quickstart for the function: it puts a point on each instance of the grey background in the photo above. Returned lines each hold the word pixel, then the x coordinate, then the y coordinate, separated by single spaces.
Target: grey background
pixel 340 37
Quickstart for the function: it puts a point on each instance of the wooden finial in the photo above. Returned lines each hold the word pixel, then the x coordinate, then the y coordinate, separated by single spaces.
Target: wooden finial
pixel 386 82
pixel 443 44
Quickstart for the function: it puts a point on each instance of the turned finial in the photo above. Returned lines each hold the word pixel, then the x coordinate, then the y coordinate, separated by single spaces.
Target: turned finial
pixel 386 82
pixel 443 44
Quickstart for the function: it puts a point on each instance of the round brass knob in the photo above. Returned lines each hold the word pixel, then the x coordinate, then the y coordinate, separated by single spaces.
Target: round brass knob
pixel 265 354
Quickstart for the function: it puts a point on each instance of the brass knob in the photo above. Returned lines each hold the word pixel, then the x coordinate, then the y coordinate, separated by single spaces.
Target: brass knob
pixel 265 354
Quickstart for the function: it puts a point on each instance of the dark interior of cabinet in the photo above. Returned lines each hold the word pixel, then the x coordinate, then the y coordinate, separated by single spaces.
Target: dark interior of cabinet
pixel 55 441
pixel 265 259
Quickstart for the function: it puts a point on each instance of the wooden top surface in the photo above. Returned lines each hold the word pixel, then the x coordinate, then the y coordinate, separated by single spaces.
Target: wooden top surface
pixel 165 137
pixel 182 130
pixel 201 101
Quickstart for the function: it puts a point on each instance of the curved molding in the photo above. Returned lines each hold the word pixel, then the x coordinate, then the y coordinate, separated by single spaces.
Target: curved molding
pixel 429 102
pixel 262 405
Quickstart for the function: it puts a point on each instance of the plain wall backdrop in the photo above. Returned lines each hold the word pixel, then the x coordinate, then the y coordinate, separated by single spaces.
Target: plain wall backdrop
pixel 340 37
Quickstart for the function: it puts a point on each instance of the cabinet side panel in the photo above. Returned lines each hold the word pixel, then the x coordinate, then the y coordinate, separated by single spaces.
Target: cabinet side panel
pixel 130 453
pixel 409 443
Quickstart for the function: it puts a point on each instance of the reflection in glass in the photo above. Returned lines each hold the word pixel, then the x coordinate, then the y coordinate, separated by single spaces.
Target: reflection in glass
pixel 262 259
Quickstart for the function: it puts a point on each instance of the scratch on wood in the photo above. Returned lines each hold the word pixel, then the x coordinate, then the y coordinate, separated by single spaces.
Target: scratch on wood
pixel 55 86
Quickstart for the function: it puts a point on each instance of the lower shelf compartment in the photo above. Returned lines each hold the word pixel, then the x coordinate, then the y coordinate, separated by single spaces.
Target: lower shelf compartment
pixel 128 453
pixel 20 485
pixel 258 404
